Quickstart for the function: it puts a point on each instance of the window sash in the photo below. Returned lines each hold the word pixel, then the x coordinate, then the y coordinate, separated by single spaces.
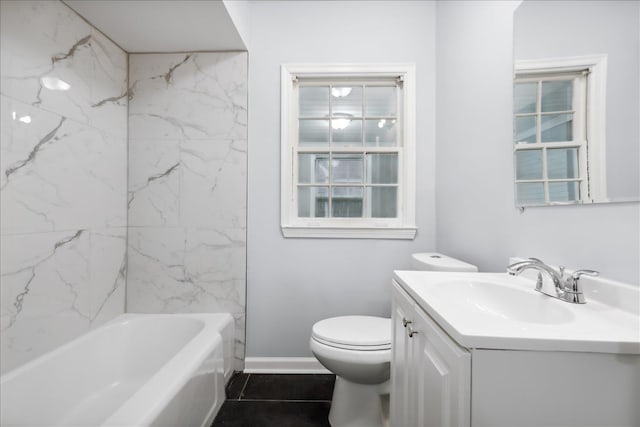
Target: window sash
pixel 338 83
pixel 363 149
pixel 331 183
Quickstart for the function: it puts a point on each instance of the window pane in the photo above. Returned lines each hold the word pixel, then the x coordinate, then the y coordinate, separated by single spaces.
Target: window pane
pixel 346 202
pixel 313 132
pixel 562 163
pixel 381 101
pixel 382 168
pixel 529 164
pixel 524 97
pixel 313 168
pixel 564 191
pixel 557 127
pixel 314 101
pixel 313 202
pixel 347 168
pixel 380 133
pixel 383 201
pixel 557 96
pixel 525 129
pixel 530 193
pixel 346 100
pixel 346 132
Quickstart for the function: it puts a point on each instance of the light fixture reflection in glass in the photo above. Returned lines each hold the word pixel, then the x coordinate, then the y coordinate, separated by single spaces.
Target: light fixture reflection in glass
pixel 381 123
pixel 54 83
pixel 13 115
pixel 340 92
pixel 339 124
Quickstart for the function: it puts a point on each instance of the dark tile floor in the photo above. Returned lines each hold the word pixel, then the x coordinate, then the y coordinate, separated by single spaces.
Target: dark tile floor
pixel 283 400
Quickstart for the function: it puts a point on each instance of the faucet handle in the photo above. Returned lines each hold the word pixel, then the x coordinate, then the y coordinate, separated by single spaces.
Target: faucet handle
pixel 576 274
pixel 572 284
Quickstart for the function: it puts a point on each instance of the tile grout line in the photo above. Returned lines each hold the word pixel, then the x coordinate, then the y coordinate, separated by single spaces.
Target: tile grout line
pixel 244 387
pixel 281 400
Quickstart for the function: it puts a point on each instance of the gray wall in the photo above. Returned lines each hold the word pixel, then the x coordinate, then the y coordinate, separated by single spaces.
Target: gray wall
pixel 475 208
pixel 293 283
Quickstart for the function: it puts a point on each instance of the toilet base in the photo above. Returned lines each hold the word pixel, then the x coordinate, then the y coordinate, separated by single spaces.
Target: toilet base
pixel 357 405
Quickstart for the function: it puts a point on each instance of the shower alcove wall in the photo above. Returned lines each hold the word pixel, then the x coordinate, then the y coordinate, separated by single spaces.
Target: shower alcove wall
pixel 187 185
pixel 116 168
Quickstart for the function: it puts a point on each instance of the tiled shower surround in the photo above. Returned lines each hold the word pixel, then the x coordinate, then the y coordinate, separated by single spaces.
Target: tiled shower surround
pixel 67 211
pixel 187 185
pixel 62 178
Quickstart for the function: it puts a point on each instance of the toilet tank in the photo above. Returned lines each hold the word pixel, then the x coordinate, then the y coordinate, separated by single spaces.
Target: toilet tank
pixel 432 261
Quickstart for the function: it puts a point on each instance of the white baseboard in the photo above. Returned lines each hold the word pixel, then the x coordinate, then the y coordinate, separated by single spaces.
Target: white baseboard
pixel 283 365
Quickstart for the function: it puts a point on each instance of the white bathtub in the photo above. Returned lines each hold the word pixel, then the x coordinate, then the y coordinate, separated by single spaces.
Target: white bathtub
pixel 137 370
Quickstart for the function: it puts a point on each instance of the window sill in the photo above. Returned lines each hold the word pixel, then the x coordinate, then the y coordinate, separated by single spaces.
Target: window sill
pixel 405 233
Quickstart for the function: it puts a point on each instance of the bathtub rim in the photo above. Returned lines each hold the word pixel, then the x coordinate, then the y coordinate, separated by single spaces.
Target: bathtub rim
pixel 122 318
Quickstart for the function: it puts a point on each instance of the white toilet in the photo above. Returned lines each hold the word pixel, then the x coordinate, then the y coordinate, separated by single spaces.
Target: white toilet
pixel 357 349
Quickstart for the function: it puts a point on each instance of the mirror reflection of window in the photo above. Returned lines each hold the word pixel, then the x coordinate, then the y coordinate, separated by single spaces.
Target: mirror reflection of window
pixel 551 144
pixel 602 37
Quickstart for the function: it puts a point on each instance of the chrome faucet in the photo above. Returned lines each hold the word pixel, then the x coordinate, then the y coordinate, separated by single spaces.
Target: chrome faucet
pixel 567 289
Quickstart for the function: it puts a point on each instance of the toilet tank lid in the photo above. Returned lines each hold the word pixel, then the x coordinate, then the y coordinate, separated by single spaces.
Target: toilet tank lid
pixel 438 262
pixel 354 330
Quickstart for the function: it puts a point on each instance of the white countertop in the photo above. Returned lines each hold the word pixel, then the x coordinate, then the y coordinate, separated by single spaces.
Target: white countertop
pixel 540 323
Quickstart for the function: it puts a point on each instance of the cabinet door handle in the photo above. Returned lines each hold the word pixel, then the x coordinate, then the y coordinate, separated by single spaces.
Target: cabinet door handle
pixel 412 332
pixel 405 322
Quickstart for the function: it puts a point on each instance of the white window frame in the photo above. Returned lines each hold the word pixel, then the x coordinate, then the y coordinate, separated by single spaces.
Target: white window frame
pixel 401 227
pixel 593 168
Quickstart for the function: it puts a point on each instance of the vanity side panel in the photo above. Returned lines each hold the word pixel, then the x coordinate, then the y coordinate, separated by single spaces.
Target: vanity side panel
pixel 402 309
pixel 526 388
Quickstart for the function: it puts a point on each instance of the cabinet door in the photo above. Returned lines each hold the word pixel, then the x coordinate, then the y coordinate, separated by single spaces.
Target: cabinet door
pixel 401 352
pixel 442 372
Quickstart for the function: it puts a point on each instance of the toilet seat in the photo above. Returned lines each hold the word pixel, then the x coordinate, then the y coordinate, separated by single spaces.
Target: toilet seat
pixel 361 333
pixel 353 347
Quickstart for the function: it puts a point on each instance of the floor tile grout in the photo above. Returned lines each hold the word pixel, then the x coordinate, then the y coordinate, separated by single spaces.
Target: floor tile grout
pixel 281 400
pixel 244 387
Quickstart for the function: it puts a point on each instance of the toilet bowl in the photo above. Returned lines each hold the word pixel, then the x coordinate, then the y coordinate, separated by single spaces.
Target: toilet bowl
pixel 357 349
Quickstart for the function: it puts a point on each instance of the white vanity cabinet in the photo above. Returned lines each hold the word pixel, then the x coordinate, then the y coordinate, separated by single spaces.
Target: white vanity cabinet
pixel 458 371
pixel 431 374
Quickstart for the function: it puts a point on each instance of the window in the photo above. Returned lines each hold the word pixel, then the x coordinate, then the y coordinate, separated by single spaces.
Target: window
pixel 558 139
pixel 348 151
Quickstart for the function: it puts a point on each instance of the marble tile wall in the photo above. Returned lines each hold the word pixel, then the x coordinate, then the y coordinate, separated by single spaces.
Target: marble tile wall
pixel 188 185
pixel 63 178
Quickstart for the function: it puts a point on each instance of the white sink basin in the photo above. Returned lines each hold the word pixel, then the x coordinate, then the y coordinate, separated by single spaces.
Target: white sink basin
pixel 498 311
pixel 503 301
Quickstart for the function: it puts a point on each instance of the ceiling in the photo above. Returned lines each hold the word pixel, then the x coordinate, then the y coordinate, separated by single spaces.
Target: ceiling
pixel 163 26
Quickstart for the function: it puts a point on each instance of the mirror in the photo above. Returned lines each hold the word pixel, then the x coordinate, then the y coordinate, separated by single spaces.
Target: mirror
pixel 576 102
